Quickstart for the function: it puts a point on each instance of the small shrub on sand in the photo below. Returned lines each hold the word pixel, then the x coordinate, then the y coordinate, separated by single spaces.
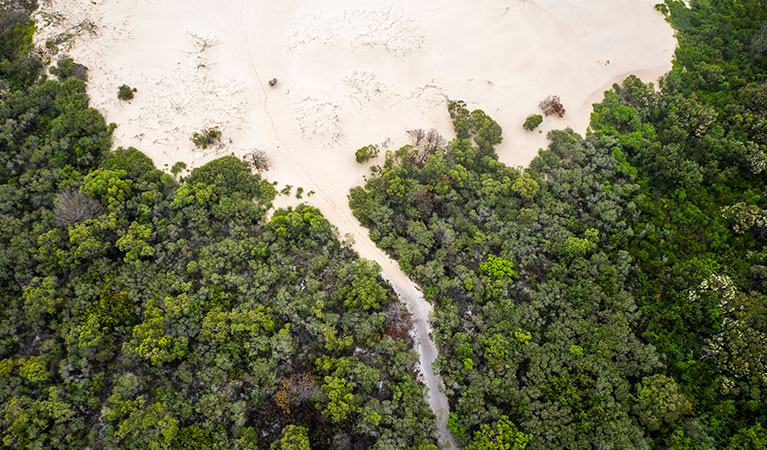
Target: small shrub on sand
pixel 207 137
pixel 125 92
pixel 532 122
pixel 552 106
pixel 366 153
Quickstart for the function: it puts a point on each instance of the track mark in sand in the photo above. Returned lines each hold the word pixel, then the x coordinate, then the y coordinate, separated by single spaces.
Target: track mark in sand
pixel 273 131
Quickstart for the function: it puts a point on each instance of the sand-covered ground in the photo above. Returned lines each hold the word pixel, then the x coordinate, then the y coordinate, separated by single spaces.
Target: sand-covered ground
pixel 351 73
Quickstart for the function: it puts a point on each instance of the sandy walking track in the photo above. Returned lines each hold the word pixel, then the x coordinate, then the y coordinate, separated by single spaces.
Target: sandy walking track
pixel 351 73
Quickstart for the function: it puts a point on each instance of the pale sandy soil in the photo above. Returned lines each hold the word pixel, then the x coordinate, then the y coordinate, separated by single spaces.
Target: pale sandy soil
pixel 351 73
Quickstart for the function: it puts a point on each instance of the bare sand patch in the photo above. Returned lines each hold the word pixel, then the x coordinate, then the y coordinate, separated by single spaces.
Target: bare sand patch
pixel 350 72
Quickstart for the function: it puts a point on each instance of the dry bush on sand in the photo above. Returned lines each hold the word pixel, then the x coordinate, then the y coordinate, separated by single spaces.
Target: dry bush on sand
pixel 259 160
pixel 552 106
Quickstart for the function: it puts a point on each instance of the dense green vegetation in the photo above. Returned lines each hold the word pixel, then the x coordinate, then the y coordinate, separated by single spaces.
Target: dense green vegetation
pixel 532 122
pixel 614 294
pixel 139 313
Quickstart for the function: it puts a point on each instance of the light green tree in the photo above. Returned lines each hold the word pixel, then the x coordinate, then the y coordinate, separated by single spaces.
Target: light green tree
pixel 503 436
pixel 293 438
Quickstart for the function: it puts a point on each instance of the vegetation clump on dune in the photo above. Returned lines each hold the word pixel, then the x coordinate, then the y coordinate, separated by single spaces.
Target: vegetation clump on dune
pixel 125 92
pixel 532 122
pixel 552 106
pixel 207 137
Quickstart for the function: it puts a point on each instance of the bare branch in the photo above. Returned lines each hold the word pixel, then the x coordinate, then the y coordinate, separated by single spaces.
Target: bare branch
pixel 259 160
pixel 552 106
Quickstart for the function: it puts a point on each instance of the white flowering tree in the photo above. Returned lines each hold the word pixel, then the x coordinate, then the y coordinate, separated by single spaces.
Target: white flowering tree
pixel 739 347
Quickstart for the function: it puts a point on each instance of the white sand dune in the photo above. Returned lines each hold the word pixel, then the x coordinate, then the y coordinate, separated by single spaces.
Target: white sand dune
pixel 351 73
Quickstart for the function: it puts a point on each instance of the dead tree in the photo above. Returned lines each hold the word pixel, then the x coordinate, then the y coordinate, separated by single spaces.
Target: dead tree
pixel 552 106
pixel 259 160
pixel 73 207
pixel 434 142
pixel 416 136
pixel 428 143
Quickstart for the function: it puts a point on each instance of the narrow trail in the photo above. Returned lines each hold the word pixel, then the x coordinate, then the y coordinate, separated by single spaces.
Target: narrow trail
pixel 341 216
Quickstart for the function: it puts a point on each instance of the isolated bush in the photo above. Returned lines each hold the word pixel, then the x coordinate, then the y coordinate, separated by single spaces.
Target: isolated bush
pixel 532 122
pixel 207 137
pixel 552 106
pixel 366 153
pixel 125 92
pixel 259 160
pixel 72 207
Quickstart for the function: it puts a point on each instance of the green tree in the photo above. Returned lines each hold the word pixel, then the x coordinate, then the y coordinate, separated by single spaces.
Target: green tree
pixel 660 403
pixel 753 438
pixel 125 92
pixel 504 435
pixel 532 122
pixel 340 399
pixel 293 438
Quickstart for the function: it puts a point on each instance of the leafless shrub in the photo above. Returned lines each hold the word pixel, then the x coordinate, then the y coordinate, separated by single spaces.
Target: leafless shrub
pixel 294 391
pixel 428 143
pixel 72 207
pixel 416 136
pixel 259 160
pixel 301 387
pixel 202 43
pixel 435 142
pixel 552 106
